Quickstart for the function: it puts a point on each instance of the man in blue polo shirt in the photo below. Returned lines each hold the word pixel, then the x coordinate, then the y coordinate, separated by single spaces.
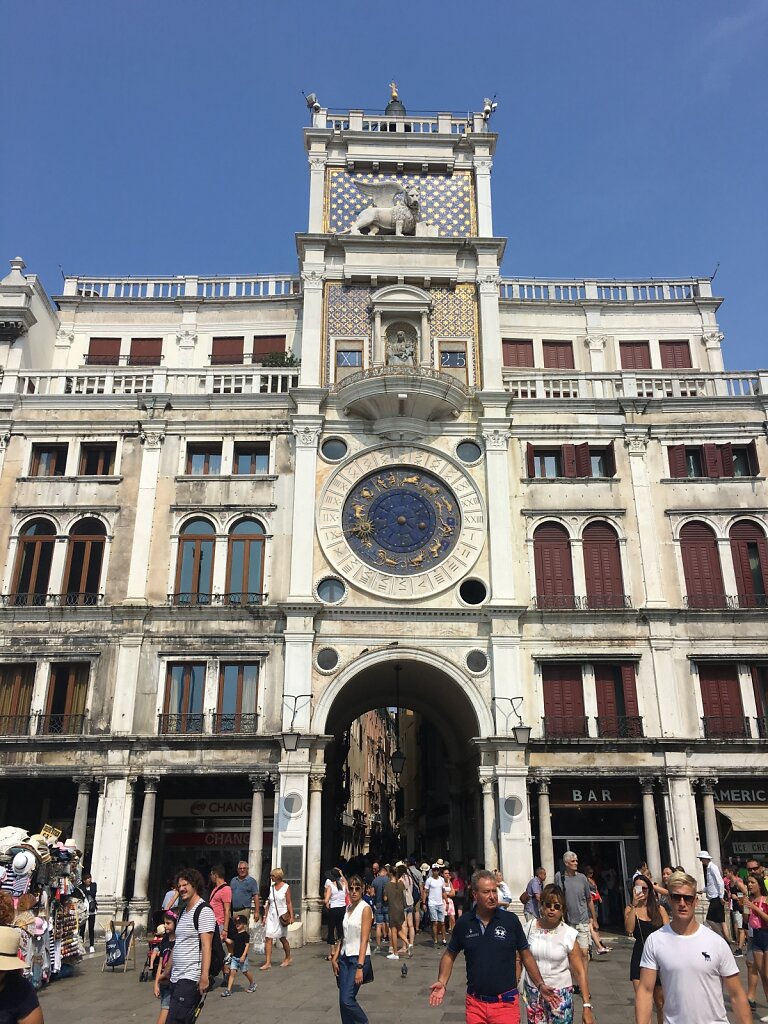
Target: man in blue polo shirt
pixel 491 938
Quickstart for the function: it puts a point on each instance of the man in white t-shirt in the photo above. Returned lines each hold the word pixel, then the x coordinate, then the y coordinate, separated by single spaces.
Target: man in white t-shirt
pixel 433 895
pixel 693 965
pixel 190 959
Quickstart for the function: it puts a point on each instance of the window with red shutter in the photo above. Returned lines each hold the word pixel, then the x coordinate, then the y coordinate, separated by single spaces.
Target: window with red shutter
pixel 558 355
pixel 721 700
pixel 583 460
pixel 554 571
pixel 569 460
pixel 635 355
pixel 268 346
pixel 517 352
pixel 675 355
pixel 701 567
pixel 750 562
pixel 760 688
pixel 530 460
pixel 104 351
pixel 602 566
pixel 145 352
pixel 227 351
pixel 563 700
pixel 726 459
pixel 713 463
pixel 616 692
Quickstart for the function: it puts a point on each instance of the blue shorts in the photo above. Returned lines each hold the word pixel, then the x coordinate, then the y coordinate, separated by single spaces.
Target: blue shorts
pixel 760 939
pixel 382 915
pixel 165 997
pixel 236 964
pixel 437 913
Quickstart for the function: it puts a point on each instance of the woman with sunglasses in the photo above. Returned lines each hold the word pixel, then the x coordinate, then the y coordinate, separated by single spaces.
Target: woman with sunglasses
pixel 756 907
pixel 557 954
pixel 642 917
pixel 351 958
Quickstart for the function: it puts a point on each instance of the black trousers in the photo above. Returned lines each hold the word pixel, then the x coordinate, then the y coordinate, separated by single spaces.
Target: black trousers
pixel 185 996
pixel 335 924
pixel 91 929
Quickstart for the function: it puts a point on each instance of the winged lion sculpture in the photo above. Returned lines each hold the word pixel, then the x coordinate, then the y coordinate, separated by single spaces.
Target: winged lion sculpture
pixel 394 209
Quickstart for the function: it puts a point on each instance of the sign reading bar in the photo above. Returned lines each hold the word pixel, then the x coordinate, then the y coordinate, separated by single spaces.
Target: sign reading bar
pixel 593 793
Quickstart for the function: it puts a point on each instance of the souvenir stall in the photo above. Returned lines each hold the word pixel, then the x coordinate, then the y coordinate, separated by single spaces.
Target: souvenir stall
pixel 40 894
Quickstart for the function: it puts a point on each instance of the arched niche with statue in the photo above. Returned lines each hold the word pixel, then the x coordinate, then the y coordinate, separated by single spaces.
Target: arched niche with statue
pixel 401 335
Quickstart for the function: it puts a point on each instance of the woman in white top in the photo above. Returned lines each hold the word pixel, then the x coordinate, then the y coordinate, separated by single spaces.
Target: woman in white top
pixel 335 899
pixel 352 954
pixel 278 905
pixel 558 957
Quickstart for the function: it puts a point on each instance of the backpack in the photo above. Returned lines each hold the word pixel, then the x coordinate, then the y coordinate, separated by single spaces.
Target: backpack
pixel 217 950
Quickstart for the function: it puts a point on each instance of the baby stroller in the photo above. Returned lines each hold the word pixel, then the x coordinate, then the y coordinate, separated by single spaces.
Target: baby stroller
pixel 153 954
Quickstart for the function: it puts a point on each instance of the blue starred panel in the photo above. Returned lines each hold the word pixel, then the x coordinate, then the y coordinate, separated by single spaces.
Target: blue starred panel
pixel 447 202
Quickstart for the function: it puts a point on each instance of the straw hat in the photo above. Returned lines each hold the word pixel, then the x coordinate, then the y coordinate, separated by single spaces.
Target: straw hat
pixel 9 949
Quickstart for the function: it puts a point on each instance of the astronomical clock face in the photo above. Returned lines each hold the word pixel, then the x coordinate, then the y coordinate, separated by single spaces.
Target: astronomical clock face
pixel 401 522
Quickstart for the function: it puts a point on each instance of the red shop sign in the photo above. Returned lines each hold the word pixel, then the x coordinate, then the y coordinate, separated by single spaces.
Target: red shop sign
pixel 241 840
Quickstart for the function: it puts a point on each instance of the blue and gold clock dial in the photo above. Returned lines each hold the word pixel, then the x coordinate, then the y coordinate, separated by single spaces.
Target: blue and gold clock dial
pixel 401 520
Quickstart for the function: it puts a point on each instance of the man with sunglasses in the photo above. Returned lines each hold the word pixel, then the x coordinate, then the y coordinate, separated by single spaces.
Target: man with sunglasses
pixel 693 962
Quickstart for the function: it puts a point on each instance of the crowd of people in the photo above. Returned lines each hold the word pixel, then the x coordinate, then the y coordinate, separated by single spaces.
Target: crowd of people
pixel 537 967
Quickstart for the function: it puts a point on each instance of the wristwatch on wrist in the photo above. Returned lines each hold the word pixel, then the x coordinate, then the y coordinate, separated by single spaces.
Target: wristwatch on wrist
pixel 586 1006
pixel 359 967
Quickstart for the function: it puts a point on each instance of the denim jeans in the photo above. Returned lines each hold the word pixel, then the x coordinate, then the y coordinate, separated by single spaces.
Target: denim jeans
pixel 351 1011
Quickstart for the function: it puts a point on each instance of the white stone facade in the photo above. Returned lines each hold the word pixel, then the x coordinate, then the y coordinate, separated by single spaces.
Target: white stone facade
pixel 108 752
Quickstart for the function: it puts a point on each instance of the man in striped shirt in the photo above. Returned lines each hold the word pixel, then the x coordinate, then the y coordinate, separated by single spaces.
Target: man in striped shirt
pixel 190 960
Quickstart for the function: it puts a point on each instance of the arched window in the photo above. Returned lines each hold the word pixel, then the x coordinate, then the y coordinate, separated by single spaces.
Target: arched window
pixel 245 563
pixel 85 555
pixel 701 567
pixel 750 563
pixel 602 567
pixel 554 572
pixel 194 573
pixel 33 563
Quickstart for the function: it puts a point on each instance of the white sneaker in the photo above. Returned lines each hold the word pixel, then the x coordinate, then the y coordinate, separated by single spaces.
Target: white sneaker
pixel 91 950
pixel 392 956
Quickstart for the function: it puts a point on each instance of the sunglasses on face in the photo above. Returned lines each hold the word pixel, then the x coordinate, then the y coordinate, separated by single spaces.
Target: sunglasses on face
pixel 355 888
pixel 553 906
pixel 682 896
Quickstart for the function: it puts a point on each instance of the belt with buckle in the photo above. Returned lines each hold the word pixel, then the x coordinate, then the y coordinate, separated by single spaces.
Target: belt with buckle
pixel 503 997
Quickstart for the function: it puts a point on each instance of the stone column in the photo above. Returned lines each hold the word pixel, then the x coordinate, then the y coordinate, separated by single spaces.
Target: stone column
pixel 490 845
pixel 152 437
pixel 307 433
pixel 483 167
pixel 496 438
pixel 683 807
pixel 490 330
pixel 710 820
pixel 256 841
pixel 379 355
pixel 546 847
pixel 636 443
pixel 140 902
pixel 312 319
pixel 652 852
pixel 314 901
pixel 80 824
pixel 425 341
pixel 317 164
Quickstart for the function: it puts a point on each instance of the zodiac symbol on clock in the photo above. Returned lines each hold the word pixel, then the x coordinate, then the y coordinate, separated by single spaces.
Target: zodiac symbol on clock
pixel 446 528
pixel 411 479
pixel 381 557
pixel 418 560
pixel 359 509
pixel 381 483
pixel 367 493
pixel 434 548
pixel 430 489
pixel 444 506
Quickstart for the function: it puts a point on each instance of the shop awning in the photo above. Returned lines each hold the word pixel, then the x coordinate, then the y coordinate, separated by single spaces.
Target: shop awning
pixel 746 819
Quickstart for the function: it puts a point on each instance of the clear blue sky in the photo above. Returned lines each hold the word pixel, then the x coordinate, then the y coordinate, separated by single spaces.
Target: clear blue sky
pixel 164 137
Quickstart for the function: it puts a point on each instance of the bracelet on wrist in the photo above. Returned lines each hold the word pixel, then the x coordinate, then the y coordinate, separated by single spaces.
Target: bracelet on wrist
pixel 586 1006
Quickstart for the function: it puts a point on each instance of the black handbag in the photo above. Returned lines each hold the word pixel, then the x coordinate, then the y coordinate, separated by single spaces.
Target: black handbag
pixel 367 971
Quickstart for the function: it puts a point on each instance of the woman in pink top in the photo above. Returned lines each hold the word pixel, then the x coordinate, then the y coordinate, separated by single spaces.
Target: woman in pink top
pixel 756 905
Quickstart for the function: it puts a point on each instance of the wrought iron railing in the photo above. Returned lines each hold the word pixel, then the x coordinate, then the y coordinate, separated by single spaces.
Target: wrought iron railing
pixel 554 602
pixel 565 726
pixel 755 601
pixel 605 602
pixel 189 598
pixel 240 598
pixel 244 722
pixel 725 727
pixel 180 724
pixel 619 726
pixel 61 725
pixel 15 725
pixel 710 602
pixel 231 600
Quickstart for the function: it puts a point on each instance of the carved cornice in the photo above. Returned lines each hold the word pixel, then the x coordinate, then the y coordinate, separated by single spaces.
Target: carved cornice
pixel 152 439
pixel 496 439
pixel 186 339
pixel 307 436
pixel 596 342
pixel 713 339
pixel 636 443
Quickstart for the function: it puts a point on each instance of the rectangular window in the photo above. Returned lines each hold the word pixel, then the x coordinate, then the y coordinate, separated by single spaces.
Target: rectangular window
pixel 226 351
pixel 721 701
pixel 570 460
pixel 558 355
pixel 517 351
pixel 250 459
pixel 65 706
pixel 204 459
pixel 713 460
pixel 238 689
pixel 635 355
pixel 617 708
pixel 347 357
pixel 272 345
pixel 675 355
pixel 104 351
pixel 48 459
pixel 145 352
pixel 16 682
pixel 97 459
pixel 760 689
pixel 563 700
pixel 183 707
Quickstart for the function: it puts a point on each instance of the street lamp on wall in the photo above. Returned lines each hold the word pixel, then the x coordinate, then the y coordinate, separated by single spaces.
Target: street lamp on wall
pixel 290 738
pixel 521 732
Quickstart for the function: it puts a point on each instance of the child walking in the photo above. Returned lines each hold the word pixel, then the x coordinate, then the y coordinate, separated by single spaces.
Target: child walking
pixel 239 962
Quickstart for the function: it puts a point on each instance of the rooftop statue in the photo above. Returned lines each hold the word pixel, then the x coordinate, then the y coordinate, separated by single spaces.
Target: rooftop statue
pixel 395 209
